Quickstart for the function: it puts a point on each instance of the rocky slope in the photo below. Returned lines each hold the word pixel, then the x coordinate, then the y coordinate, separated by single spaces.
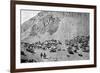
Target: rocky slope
pixel 54 25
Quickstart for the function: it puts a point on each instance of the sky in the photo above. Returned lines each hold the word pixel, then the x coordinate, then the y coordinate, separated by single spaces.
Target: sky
pixel 27 14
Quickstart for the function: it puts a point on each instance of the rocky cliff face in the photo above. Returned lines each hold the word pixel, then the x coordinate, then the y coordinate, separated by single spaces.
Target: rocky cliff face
pixel 57 25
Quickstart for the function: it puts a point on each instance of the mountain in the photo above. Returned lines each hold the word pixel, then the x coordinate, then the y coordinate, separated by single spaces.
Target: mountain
pixel 54 25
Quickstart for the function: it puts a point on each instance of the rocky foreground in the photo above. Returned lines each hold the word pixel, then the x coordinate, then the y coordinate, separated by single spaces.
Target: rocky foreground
pixel 54 50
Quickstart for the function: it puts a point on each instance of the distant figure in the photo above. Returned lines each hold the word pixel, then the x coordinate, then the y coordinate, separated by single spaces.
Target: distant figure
pixel 43 55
